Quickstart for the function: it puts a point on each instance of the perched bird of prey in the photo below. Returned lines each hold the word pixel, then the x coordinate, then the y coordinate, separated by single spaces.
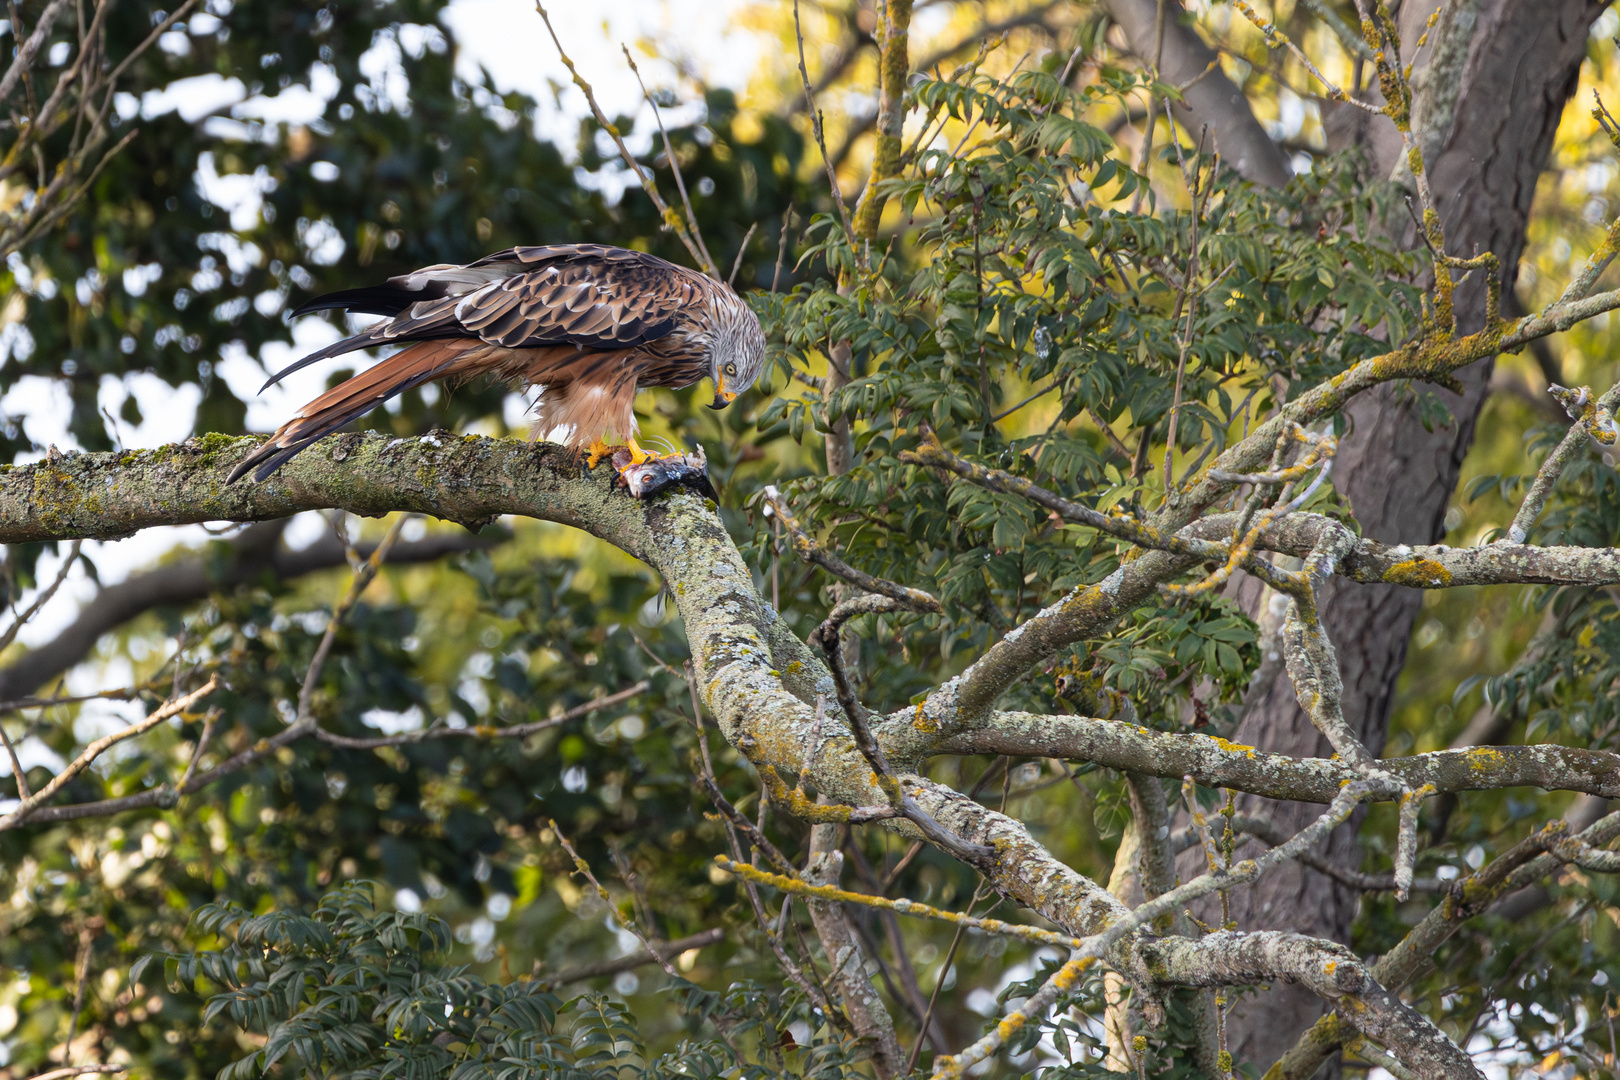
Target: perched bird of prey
pixel 587 324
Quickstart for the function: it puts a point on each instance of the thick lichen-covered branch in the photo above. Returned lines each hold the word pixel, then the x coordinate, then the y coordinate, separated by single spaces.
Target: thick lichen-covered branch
pixel 1327 969
pixel 845 959
pixel 1086 611
pixel 759 680
pixel 1215 762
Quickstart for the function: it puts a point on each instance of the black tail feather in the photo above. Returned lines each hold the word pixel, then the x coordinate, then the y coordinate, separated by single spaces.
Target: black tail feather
pixel 370 300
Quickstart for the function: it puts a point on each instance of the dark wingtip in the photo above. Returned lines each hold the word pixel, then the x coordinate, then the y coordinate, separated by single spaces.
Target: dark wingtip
pixel 309 307
pixel 382 299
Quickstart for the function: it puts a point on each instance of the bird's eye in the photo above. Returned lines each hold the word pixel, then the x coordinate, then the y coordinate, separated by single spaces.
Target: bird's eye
pixel 731 369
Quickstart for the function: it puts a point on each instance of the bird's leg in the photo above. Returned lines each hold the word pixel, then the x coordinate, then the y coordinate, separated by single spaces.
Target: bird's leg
pixel 598 450
pixel 638 456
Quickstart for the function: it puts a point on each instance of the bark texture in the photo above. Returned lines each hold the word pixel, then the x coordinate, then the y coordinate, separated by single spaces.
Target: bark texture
pixel 1212 100
pixel 1520 72
pixel 845 960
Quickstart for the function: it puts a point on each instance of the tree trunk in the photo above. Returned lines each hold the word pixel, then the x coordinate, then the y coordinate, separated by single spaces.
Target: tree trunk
pixel 1209 98
pixel 1521 70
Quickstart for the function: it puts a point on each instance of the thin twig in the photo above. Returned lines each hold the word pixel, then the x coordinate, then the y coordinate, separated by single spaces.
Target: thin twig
pixel 810 551
pixel 19 816
pixel 202 747
pixel 1276 38
pixel 1341 29
pixel 781 246
pixel 1591 418
pixel 742 249
pixel 485 731
pixel 43 598
pixel 1037 394
pixel 79 1070
pixel 977 855
pixel 903 907
pixel 362 578
pixel 664 950
pixel 25 54
pixel 81 971
pixel 821 141
pixel 939 983
pixel 675 167
pixel 1406 839
pixel 1188 296
pixel 669 216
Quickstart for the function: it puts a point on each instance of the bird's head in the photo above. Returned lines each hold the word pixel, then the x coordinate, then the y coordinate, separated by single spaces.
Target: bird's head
pixel 738 357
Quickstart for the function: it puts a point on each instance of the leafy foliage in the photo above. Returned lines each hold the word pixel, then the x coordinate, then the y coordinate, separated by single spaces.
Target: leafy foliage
pixel 352 993
pixel 1020 267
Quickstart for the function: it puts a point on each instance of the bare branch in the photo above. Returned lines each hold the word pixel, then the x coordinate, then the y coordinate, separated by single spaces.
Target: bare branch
pixel 1523 864
pixel 79 1070
pixel 669 216
pixel 25 809
pixel 485 731
pixel 1217 763
pixel 906 597
pixel 742 249
pixel 44 597
pixel 362 578
pixel 1269 833
pixel 25 55
pixel 17 772
pixel 1591 418
pixel 254 553
pixel 841 945
pixel 821 140
pixel 1406 839
pixel 709 266
pixel 799 887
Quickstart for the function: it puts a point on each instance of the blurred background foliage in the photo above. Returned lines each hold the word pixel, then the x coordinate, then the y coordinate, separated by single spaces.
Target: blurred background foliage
pixel 151 278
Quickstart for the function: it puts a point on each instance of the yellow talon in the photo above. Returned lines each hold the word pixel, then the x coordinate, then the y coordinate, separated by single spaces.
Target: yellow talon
pixel 596 453
pixel 638 456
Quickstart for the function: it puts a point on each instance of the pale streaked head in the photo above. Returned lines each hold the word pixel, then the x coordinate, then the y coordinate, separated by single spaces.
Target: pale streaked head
pixel 738 353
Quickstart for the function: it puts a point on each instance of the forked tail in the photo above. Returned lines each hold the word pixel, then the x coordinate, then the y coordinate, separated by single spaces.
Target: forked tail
pixel 412 366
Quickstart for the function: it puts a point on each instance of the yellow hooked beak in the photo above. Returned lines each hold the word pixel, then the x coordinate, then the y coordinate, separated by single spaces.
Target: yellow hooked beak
pixel 722 396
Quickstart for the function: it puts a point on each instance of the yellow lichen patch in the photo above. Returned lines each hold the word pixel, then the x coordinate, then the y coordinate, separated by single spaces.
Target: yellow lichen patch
pixel 1231 747
pixel 1484 757
pixel 924 723
pixel 1418 574
pixel 794 668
